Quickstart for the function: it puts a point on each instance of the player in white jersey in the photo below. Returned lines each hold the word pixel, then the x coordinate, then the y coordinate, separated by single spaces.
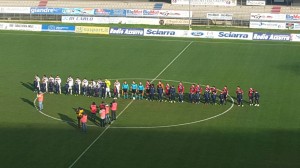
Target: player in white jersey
pixel 78 81
pixel 58 84
pixel 51 84
pixel 117 86
pixel 45 83
pixel 85 84
pixel 70 83
pixel 36 83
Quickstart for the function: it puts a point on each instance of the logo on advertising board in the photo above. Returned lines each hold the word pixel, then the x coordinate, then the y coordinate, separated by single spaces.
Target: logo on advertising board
pixel 103 12
pixel 159 32
pixel 126 31
pixel 78 11
pixel 197 33
pixel 150 12
pixel 293 17
pixel 233 35
pixel 256 2
pixel 271 36
pixel 57 11
pixel 92 30
pixel 295 37
pixel 134 12
pixel 267 16
pixel 58 28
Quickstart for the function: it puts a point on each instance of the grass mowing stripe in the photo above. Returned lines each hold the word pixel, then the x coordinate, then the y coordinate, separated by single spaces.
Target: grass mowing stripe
pixel 178 55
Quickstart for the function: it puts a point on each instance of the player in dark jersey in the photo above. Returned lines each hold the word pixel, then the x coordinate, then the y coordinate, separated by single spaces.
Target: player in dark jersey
pixel 172 94
pixel 221 97
pixel 239 95
pixel 213 91
pixel 151 92
pixel 256 97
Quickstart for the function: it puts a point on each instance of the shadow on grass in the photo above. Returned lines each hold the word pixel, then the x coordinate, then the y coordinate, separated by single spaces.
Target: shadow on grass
pixel 27 101
pixel 95 120
pixel 28 85
pixel 68 120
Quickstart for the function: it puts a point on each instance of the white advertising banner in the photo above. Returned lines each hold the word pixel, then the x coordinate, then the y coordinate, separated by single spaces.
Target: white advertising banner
pixel 158 13
pixel 20 27
pixel 267 25
pixel 268 16
pixel 295 37
pixel 205 2
pixel 110 20
pixel 166 32
pixel 233 35
pixel 219 16
pixel 256 2
pixel 174 21
pixel 14 9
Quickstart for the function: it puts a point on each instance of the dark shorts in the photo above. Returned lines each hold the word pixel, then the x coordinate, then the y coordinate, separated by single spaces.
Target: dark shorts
pixel 125 90
pixel 141 91
pixel 133 90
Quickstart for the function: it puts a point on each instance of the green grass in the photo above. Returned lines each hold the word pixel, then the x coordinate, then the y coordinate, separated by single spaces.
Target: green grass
pixel 265 136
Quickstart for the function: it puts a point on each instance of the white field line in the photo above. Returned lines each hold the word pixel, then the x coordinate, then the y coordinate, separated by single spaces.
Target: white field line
pixel 125 109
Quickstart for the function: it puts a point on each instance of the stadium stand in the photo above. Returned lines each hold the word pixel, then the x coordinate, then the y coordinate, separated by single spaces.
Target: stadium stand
pixel 239 12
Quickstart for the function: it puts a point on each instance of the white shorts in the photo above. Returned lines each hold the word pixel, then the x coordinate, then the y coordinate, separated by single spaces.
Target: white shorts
pixel 107 89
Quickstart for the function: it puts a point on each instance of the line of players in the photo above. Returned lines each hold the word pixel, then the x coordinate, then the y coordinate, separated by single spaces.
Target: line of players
pixel 138 91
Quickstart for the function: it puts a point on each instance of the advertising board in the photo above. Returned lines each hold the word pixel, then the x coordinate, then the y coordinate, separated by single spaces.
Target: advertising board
pixel 15 10
pixel 267 17
pixel 174 22
pixel 256 2
pixel 165 33
pixel 295 37
pixel 267 25
pixel 78 11
pixel 110 12
pixel 233 35
pixel 205 2
pixel 58 28
pixel 200 34
pixel 108 20
pixel 126 31
pixel 46 11
pixel 293 17
pixel 219 16
pixel 20 27
pixel 166 13
pixel 271 36
pixel 293 26
pixel 92 30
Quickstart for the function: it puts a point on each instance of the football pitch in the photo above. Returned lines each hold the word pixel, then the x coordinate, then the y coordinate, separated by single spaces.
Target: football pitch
pixel 150 134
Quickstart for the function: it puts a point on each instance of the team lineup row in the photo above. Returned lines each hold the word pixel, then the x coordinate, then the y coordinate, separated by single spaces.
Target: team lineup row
pixel 160 92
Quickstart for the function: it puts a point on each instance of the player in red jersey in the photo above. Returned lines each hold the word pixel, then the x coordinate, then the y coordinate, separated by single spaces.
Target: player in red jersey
pixel 147 88
pixel 180 89
pixel 206 94
pixel 167 92
pixel 192 93
pixel 198 92
pixel 239 95
pixel 251 96
pixel 225 94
